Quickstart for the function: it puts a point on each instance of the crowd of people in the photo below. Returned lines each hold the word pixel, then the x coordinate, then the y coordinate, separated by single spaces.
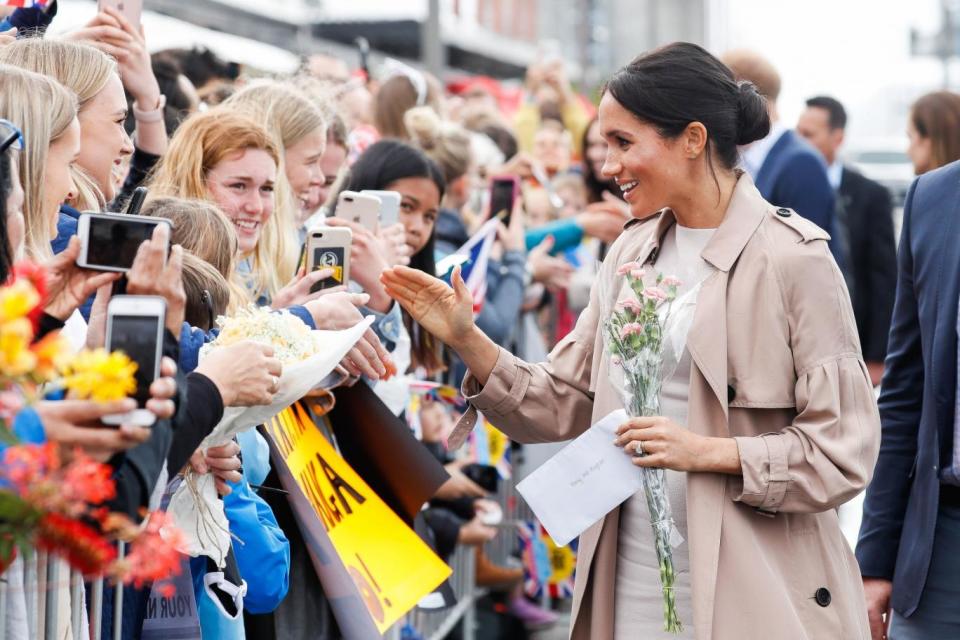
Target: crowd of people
pixel 245 167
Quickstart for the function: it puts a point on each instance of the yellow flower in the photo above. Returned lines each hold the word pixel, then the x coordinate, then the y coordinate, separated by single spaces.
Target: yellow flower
pixel 16 359
pixel 101 376
pixel 53 355
pixel 17 299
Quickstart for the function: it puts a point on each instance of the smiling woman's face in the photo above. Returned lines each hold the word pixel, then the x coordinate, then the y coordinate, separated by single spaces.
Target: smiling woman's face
pixel 242 186
pixel 104 142
pixel 648 167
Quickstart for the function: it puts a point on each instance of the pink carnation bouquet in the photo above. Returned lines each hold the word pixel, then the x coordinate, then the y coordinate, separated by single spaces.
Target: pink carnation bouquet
pixel 634 334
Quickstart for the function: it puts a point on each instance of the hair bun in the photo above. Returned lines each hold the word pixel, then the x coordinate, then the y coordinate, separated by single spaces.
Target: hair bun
pixel 753 119
pixel 424 126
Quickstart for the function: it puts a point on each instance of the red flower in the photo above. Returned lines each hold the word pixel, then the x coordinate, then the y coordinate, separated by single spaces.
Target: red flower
pixel 37 276
pixel 79 544
pixel 152 557
pixel 87 480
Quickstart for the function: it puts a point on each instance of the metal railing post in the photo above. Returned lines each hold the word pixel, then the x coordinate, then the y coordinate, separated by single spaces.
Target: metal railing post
pixel 52 598
pixel 118 597
pixel 76 604
pixel 40 589
pixel 96 608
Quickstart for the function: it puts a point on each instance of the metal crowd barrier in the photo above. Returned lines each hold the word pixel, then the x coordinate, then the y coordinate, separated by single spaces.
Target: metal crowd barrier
pixel 435 625
pixel 53 598
pixel 46 583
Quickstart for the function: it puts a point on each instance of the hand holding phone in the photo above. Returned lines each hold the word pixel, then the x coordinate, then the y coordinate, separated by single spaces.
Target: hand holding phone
pixel 329 247
pixel 130 9
pixel 110 241
pixel 503 192
pixel 135 327
pixel 361 208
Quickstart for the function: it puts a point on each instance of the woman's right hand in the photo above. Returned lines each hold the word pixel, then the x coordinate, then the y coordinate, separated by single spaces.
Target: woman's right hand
pixel 297 291
pixel 445 312
pixel 255 383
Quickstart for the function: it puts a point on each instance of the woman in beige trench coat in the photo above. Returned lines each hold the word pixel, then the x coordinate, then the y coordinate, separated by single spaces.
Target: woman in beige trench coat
pixel 782 426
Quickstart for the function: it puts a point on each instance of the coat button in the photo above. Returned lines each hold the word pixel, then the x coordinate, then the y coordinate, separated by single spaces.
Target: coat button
pixel 784 213
pixel 731 393
pixel 822 596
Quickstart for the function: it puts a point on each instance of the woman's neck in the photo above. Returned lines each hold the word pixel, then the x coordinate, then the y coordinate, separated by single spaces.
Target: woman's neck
pixel 703 206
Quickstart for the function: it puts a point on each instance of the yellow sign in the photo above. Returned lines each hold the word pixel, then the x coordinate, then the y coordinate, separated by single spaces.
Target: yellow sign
pixel 390 565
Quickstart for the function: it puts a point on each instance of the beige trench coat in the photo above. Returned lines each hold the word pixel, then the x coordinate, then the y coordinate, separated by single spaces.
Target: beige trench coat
pixel 777 366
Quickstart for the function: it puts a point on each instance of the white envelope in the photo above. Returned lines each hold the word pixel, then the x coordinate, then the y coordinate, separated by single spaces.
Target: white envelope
pixel 584 482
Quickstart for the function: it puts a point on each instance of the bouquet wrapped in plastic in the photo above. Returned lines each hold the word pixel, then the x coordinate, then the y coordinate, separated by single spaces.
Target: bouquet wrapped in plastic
pixel 308 358
pixel 635 335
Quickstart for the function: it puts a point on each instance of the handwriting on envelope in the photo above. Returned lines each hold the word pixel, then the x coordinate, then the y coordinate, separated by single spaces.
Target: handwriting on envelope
pixel 582 483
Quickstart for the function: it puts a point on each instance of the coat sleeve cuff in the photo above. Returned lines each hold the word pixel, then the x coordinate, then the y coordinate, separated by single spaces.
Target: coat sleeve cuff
pixel 763 460
pixel 504 389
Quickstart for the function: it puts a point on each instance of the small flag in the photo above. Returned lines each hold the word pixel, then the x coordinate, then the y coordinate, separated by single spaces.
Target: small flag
pixel 545 565
pixel 23 4
pixel 473 258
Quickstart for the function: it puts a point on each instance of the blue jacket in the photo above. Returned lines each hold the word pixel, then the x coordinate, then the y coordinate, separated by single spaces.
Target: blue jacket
pixel 263 552
pixel 917 398
pixel 793 175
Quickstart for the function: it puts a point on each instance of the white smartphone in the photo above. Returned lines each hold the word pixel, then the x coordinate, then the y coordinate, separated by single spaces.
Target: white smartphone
pixel 389 205
pixel 362 208
pixel 135 326
pixel 131 9
pixel 109 241
pixel 329 247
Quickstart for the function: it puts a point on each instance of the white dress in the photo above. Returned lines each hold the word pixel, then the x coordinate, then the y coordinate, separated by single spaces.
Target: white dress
pixel 638 609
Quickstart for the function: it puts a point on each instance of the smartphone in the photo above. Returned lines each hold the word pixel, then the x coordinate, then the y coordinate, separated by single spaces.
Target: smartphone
pixel 135 326
pixel 503 192
pixel 329 247
pixel 484 475
pixel 131 9
pixel 389 206
pixel 362 208
pixel 109 241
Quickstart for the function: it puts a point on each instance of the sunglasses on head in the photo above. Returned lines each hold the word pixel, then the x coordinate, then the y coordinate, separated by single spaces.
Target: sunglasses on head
pixel 10 136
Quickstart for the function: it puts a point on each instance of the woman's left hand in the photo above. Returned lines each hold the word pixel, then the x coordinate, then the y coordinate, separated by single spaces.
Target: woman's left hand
pixel 68 285
pixel 671 446
pixel 660 442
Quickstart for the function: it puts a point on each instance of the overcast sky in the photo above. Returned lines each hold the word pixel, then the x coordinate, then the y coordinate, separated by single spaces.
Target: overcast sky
pixel 856 50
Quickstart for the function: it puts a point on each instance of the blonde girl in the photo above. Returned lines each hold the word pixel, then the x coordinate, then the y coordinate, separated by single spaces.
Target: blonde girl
pixel 46 113
pixel 299 130
pixel 94 77
pixel 230 160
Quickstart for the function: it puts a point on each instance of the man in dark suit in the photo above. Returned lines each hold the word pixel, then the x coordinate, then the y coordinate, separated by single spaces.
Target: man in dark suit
pixel 865 220
pixel 788 172
pixel 909 546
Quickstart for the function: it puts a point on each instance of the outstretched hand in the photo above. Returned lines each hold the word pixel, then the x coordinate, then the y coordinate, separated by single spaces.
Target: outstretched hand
pixel 445 312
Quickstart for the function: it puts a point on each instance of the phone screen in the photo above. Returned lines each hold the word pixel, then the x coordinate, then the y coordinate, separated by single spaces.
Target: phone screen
pixel 331 258
pixel 136 336
pixel 114 243
pixel 501 199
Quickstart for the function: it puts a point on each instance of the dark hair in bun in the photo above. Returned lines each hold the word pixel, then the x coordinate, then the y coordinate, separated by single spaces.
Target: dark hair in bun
pixel 680 83
pixel 753 121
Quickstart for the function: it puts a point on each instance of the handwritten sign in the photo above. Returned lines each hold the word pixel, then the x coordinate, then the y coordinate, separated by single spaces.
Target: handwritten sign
pixel 391 567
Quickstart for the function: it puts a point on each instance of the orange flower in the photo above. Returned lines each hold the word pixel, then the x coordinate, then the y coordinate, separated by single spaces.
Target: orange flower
pixel 52 355
pixel 153 555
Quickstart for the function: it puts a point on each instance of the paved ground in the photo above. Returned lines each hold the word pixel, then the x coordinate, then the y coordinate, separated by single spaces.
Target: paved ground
pixel 561 631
